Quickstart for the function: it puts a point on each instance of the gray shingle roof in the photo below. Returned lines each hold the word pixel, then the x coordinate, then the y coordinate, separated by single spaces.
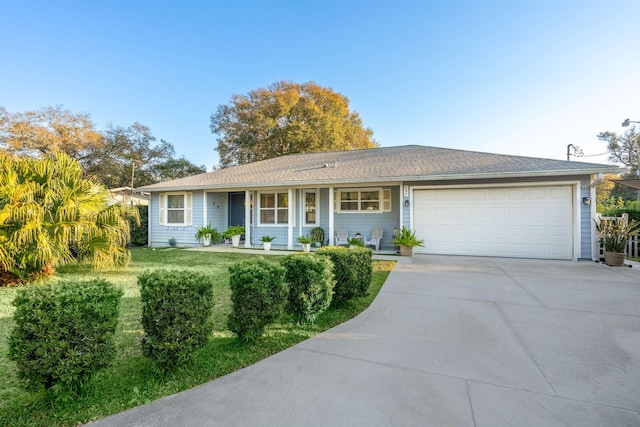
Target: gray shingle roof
pixel 384 164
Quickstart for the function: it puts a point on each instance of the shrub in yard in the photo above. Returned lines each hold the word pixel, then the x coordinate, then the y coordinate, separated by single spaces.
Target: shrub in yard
pixel 363 264
pixel 176 307
pixel 310 280
pixel 140 232
pixel 258 294
pixel 63 333
pixel 352 269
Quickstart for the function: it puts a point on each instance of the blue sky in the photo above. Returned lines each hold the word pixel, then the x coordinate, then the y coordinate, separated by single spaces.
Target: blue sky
pixel 523 77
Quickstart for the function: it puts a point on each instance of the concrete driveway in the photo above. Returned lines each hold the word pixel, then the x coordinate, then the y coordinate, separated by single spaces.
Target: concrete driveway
pixel 449 341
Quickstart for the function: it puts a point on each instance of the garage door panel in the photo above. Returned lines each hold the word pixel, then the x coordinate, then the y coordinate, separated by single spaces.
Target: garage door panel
pixel 530 222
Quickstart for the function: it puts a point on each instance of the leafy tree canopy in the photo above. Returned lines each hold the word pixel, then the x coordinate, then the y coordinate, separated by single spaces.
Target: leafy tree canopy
pixel 286 118
pixel 46 131
pixel 623 148
pixel 116 157
pixel 128 157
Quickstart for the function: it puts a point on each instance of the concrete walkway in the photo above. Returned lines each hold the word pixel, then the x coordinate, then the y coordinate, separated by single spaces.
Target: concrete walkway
pixel 449 341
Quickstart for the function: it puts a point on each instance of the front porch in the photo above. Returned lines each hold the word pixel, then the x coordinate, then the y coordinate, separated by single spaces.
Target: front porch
pixel 389 254
pixel 288 213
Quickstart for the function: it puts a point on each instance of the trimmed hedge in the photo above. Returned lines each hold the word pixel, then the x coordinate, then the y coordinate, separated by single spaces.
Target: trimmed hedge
pixel 311 283
pixel 140 233
pixel 258 294
pixel 64 333
pixel 176 310
pixel 352 269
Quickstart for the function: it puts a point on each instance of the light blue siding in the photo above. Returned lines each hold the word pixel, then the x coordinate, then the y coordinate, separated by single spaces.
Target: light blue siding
pixel 586 222
pixel 184 235
pixel 217 214
pixel 218 210
pixel 364 222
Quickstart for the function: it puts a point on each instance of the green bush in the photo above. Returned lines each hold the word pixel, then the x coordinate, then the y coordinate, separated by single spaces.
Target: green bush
pixel 352 269
pixel 310 280
pixel 617 207
pixel 64 333
pixel 258 294
pixel 176 310
pixel 140 233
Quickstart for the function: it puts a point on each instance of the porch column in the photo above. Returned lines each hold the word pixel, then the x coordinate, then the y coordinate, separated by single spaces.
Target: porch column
pixel 247 219
pixel 290 220
pixel 204 208
pixel 331 226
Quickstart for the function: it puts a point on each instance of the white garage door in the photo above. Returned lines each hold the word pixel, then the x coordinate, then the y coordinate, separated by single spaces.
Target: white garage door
pixel 523 222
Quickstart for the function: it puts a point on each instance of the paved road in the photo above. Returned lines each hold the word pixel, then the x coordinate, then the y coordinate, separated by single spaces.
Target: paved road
pixel 449 341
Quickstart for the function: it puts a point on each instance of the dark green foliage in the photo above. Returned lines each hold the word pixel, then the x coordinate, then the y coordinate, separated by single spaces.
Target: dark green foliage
pixel 311 283
pixel 63 333
pixel 352 269
pixel 140 233
pixel 617 207
pixel 176 307
pixel 317 234
pixel 258 294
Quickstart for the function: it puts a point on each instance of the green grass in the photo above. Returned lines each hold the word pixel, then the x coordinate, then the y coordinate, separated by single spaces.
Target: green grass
pixel 133 379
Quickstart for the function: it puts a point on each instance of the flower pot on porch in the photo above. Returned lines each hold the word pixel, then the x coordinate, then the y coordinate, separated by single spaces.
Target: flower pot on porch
pixel 306 247
pixel 614 258
pixel 406 250
pixel 235 240
pixel 206 240
pixel 267 246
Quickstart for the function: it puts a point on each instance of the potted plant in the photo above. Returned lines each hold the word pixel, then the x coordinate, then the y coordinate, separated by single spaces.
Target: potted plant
pixel 355 242
pixel 207 234
pixel 317 234
pixel 406 239
pixel 266 242
pixel 614 235
pixel 234 232
pixel 306 242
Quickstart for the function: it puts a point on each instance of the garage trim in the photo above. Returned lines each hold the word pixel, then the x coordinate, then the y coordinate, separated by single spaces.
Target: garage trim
pixel 575 187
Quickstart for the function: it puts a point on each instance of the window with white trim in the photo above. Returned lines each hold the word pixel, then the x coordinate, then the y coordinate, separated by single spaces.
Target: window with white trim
pixel 356 200
pixel 374 200
pixel 176 209
pixel 273 208
pixel 310 198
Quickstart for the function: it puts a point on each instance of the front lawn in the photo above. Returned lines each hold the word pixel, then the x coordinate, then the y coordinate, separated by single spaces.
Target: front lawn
pixel 133 379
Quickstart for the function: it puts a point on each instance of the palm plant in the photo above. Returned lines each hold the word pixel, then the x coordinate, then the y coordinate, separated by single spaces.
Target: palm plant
pixel 614 234
pixel 407 237
pixel 50 215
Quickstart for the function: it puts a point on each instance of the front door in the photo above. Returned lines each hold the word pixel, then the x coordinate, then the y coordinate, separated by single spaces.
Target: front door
pixel 236 208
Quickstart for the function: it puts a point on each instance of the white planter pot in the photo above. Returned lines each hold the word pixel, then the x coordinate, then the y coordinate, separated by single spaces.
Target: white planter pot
pixel 235 241
pixel 206 240
pixel 267 246
pixel 306 247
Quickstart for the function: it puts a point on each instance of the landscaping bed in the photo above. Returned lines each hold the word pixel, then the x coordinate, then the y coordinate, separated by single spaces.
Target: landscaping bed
pixel 134 379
